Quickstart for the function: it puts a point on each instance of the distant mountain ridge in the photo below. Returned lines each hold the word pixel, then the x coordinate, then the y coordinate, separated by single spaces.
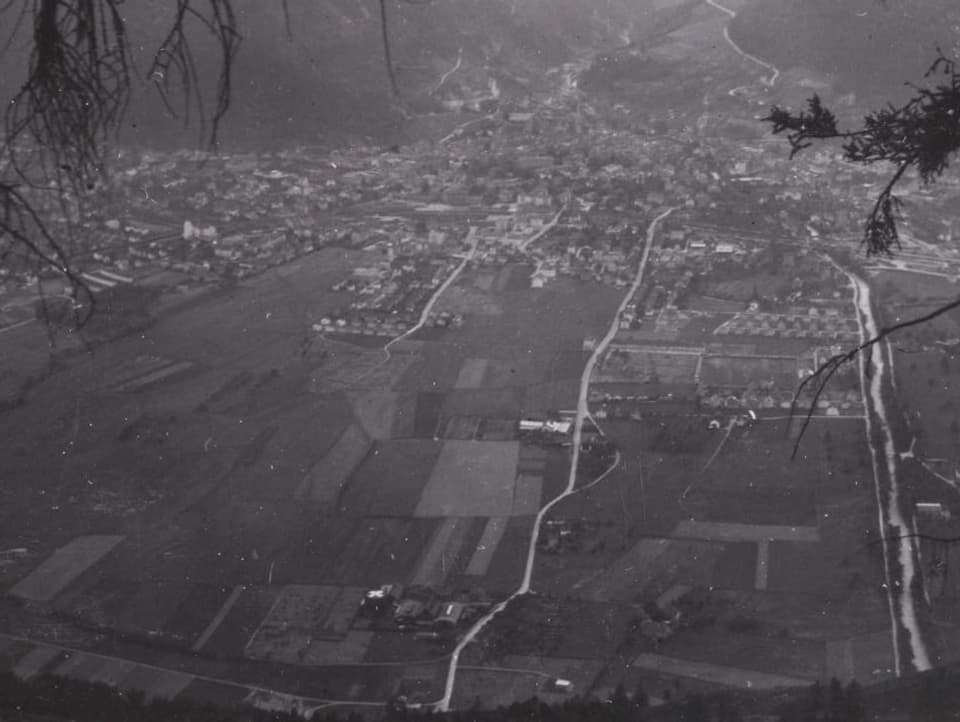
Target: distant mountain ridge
pixel 870 47
pixel 327 79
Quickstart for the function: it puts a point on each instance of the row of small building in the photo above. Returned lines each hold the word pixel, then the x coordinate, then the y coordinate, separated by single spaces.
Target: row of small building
pixel 419 610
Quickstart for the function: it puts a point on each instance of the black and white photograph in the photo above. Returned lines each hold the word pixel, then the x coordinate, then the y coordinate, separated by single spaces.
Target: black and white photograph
pixel 479 361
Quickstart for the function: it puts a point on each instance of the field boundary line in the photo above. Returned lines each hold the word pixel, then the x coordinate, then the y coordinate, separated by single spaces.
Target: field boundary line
pixel 44 644
pixel 218 618
pixel 763 565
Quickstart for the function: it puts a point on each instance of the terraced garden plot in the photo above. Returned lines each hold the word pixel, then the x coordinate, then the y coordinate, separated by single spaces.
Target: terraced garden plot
pixel 299 628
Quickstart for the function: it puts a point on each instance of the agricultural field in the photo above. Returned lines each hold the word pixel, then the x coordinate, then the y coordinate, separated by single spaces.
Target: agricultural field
pixel 250 479
pixel 773 550
pixel 648 365
pixel 472 479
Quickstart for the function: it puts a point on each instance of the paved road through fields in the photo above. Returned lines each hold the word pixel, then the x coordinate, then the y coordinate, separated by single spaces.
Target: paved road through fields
pixel 582 413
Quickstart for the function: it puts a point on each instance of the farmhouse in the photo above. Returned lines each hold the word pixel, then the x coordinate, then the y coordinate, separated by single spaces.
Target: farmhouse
pixel 451 613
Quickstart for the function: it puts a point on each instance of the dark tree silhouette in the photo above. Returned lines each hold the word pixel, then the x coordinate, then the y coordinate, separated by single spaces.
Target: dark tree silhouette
pixel 77 85
pixel 65 114
pixel 923 135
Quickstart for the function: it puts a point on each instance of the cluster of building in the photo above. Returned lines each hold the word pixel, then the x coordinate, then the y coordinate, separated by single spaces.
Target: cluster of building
pixel 811 324
pixel 387 298
pixel 419 608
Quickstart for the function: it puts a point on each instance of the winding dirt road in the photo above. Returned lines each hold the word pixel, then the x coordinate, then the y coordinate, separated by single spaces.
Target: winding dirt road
pixel 774 71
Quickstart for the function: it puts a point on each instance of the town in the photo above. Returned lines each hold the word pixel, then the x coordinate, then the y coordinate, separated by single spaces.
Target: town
pixel 504 411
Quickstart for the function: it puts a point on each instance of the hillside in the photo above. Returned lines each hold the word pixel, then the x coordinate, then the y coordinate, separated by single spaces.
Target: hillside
pixel 870 47
pixel 326 79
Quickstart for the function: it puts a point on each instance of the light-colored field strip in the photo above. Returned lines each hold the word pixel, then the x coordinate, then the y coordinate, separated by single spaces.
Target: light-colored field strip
pixel 471 374
pixel 63 567
pixel 325 480
pixel 30 664
pixel 471 478
pixel 218 618
pixel 436 560
pixel 723 532
pixel 840 660
pixel 487 546
pixel 763 565
pixel 159 375
pixel 717 674
pixel 527 493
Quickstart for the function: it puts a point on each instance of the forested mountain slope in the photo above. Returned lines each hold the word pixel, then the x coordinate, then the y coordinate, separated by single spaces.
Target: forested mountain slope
pixel 871 47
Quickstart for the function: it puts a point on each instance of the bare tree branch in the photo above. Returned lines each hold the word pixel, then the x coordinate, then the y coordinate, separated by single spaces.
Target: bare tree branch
pixel 825 371
pixel 70 106
pixel 923 134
